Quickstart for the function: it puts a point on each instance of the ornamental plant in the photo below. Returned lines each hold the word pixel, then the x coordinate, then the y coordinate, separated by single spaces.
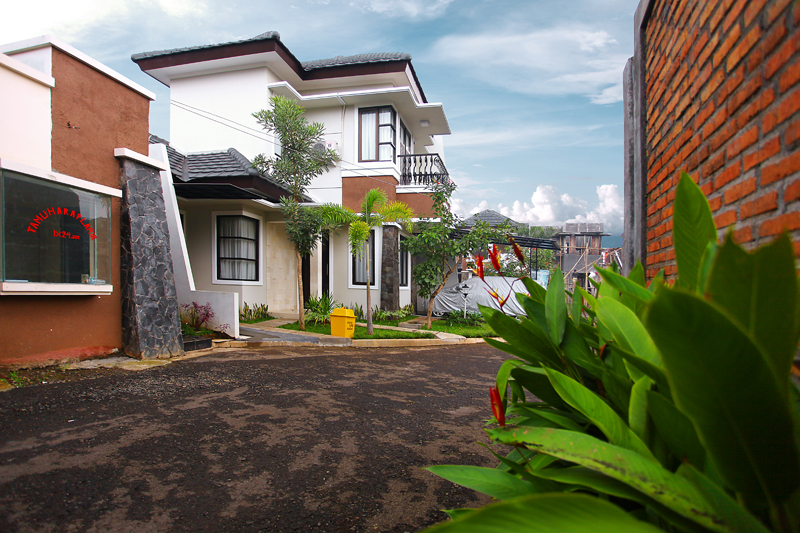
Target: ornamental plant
pixel 660 407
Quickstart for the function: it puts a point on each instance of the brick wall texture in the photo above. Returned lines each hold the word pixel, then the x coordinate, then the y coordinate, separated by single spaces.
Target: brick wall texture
pixel 722 95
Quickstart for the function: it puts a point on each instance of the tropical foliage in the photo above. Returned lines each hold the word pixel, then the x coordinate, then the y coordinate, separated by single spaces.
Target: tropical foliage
pixel 671 404
pixel 375 210
pixel 296 163
pixel 440 249
pixel 320 308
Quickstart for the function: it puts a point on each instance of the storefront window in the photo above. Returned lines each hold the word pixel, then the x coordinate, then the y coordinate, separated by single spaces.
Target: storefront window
pixel 53 233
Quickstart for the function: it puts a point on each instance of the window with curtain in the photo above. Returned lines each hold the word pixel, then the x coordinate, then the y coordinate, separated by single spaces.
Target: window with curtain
pixel 237 248
pixel 377 131
pixel 405 147
pixel 360 264
pixel 403 264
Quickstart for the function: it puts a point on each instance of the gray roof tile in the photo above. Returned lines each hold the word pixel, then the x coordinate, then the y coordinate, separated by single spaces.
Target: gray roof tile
pixel 358 59
pixel 492 217
pixel 228 164
pixel 155 53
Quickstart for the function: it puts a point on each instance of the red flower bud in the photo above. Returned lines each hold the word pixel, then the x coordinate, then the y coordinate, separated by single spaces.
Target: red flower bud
pixel 479 262
pixel 497 406
pixel 517 249
pixel 494 255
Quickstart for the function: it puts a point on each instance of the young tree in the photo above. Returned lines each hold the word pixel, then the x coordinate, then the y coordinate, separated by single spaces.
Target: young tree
pixel 441 248
pixel 297 164
pixel 375 210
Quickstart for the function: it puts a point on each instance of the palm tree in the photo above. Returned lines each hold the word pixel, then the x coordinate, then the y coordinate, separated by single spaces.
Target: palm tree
pixel 375 210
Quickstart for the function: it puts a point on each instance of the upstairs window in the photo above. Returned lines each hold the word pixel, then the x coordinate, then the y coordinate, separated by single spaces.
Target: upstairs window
pixel 237 248
pixel 378 135
pixel 405 147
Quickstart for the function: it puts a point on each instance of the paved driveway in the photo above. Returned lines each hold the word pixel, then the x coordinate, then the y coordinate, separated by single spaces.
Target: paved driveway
pixel 307 439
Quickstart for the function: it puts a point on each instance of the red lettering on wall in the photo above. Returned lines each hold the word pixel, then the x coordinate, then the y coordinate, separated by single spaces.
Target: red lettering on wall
pixel 40 217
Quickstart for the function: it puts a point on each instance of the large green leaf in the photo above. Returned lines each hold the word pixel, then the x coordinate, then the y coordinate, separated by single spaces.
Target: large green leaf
pixel 625 285
pixel 693 226
pixel 645 367
pixel 676 430
pixel 722 382
pixel 528 342
pixel 536 291
pixel 628 331
pixel 577 350
pixel 706 264
pixel 547 513
pixel 643 474
pixel 534 310
pixel 503 374
pixel 758 290
pixel 556 307
pixel 490 481
pixel 598 412
pixel 535 380
pixel 723 505
pixel 511 349
pixel 637 412
pixel 554 417
pixel 602 484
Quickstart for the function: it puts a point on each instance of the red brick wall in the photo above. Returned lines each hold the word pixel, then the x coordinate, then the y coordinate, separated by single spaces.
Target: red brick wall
pixel 722 94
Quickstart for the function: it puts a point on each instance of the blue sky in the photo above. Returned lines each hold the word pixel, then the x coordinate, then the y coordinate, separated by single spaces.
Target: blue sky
pixel 532 89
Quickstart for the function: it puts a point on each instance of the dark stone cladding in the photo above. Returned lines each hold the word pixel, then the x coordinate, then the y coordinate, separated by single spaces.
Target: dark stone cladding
pixel 151 325
pixel 390 269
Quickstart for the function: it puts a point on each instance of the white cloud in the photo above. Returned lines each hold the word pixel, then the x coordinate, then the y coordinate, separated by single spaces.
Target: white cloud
pixel 553 61
pixel 68 20
pixel 548 207
pixel 414 9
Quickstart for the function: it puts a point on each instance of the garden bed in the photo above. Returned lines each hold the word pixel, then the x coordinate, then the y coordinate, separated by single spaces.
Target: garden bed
pixel 361 332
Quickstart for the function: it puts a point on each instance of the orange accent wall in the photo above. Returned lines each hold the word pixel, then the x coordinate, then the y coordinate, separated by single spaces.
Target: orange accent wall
pixel 103 115
pixel 421 203
pixel 354 189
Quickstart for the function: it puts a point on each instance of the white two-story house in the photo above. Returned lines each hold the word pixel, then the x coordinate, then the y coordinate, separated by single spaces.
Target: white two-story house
pixel 376 117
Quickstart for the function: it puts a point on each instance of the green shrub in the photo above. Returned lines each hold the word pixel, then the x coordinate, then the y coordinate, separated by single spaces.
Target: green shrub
pixel 319 309
pixel 671 404
pixel 457 318
pixel 254 313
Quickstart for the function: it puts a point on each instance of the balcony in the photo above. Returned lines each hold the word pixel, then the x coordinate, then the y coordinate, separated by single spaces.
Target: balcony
pixel 422 169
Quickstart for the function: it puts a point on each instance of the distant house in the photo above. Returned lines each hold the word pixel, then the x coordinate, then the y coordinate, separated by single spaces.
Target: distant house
pixel 581 247
pixel 376 117
pixel 493 218
pixel 84 263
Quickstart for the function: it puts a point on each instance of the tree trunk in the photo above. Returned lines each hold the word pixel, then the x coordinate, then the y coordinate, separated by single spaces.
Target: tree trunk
pixel 369 298
pixel 301 318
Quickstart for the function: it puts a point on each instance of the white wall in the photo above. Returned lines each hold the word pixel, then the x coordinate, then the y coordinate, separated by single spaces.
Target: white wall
pixel 235 96
pixel 25 114
pixel 224 304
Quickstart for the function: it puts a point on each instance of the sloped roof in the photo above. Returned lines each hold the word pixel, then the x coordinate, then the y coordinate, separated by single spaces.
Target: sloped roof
pixel 493 218
pixel 228 166
pixel 156 53
pixel 358 59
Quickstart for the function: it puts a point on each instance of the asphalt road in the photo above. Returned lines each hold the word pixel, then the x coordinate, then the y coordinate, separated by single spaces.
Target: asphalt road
pixel 311 439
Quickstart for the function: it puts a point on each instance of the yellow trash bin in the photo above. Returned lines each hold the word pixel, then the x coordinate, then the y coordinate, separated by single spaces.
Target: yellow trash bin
pixel 343 322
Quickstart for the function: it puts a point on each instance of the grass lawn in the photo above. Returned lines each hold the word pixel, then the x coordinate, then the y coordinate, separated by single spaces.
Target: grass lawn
pixel 256 320
pixel 481 330
pixel 361 333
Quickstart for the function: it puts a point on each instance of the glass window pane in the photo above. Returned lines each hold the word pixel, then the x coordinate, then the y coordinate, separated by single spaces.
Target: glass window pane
pixel 386 134
pixel 237 248
pixel 386 115
pixel 386 152
pixel 52 233
pixel 368 132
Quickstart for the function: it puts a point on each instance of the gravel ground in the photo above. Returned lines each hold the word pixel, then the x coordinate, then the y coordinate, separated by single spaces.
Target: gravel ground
pixel 312 439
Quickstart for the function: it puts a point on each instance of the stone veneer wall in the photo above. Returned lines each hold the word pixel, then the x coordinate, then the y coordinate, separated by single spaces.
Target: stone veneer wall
pixel 151 325
pixel 390 269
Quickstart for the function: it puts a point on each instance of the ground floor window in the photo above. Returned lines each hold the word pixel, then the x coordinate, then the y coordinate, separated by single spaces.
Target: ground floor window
pixel 403 264
pixel 360 263
pixel 237 248
pixel 53 233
